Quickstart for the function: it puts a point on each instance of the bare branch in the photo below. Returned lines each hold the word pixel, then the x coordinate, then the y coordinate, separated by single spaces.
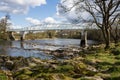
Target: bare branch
pixel 113 19
pixel 115 6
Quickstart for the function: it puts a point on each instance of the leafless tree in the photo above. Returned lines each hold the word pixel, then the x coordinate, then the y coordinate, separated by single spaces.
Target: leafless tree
pixel 102 12
pixel 115 30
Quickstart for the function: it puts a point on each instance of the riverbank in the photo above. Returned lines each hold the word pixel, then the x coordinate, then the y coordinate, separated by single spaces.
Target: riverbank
pixel 91 64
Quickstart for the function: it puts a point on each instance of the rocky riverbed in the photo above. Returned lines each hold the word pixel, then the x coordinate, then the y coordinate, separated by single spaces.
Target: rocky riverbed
pixel 91 64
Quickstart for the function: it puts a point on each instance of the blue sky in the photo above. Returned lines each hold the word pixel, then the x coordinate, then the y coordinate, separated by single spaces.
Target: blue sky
pixel 45 10
pixel 31 12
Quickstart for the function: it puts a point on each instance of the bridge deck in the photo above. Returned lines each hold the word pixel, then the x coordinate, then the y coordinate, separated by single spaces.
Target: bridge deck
pixel 43 27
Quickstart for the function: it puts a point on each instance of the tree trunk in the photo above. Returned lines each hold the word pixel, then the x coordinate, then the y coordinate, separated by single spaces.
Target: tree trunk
pixel 106 35
pixel 107 46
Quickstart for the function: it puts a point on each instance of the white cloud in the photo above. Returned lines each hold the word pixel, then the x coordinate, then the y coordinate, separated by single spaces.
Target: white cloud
pixel 33 21
pixel 19 6
pixel 49 20
pixel 72 14
pixel 37 21
pixel 3 17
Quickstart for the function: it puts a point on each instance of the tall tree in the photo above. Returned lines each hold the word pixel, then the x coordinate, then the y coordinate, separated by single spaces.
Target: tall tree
pixel 101 12
pixel 3 26
pixel 115 30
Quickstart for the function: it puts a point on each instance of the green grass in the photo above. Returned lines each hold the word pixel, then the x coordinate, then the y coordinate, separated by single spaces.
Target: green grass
pixel 108 62
pixel 3 76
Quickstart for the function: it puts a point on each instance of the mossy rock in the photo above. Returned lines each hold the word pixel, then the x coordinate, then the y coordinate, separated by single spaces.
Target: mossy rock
pixel 79 68
pixel 80 65
pixel 65 68
pixel 83 69
pixel 52 76
pixel 3 76
pixel 27 72
pixel 96 50
pixel 112 78
pixel 91 78
pixel 23 77
pixel 23 72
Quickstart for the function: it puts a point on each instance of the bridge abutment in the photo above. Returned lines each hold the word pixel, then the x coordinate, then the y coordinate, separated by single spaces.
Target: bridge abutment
pixel 83 42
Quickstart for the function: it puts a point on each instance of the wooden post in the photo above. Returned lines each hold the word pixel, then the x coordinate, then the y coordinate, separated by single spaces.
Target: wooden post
pixel 83 42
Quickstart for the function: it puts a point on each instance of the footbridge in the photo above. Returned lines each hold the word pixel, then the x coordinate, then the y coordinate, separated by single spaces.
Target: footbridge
pixel 45 27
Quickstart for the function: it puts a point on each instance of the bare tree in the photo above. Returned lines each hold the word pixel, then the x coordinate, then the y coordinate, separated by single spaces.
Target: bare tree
pixel 102 12
pixel 115 30
pixel 3 26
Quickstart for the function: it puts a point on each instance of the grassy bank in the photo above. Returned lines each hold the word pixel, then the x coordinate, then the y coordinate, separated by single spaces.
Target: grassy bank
pixel 92 64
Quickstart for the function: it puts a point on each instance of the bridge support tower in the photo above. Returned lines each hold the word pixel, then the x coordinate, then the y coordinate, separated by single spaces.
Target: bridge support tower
pixel 22 35
pixel 83 42
pixel 11 36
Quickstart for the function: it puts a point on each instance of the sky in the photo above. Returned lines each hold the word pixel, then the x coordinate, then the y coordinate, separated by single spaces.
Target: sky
pixel 30 12
pixel 25 13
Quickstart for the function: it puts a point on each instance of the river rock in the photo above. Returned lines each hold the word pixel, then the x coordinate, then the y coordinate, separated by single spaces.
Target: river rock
pixel 32 64
pixel 70 54
pixel 53 66
pixel 91 68
pixel 9 64
pixel 59 50
pixel 93 78
pixel 35 60
pixel 8 74
pixel 1 60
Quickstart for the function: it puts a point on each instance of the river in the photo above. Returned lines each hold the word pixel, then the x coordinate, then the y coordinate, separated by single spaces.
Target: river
pixel 34 48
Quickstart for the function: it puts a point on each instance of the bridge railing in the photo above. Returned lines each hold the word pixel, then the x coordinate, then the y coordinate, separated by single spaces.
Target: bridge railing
pixel 43 27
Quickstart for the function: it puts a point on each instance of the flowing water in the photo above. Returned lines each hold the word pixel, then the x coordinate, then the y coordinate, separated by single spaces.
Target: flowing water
pixel 35 48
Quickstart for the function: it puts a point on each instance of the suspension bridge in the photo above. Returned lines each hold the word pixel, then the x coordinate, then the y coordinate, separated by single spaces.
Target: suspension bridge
pixel 45 27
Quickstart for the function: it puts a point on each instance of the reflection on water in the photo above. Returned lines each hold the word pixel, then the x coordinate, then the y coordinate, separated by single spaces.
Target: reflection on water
pixel 22 45
pixel 34 47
